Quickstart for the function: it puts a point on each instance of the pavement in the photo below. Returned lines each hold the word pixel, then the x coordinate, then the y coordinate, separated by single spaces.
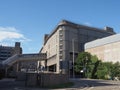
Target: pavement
pixel 79 84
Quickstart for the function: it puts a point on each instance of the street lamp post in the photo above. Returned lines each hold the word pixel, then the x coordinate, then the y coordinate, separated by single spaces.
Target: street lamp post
pixel 73 56
pixel 85 67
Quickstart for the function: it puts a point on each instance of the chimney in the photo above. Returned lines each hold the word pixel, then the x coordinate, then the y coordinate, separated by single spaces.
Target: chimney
pixel 17 48
pixel 46 37
pixel 109 29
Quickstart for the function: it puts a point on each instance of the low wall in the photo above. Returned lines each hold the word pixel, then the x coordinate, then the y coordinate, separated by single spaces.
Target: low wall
pixel 45 79
pixel 21 76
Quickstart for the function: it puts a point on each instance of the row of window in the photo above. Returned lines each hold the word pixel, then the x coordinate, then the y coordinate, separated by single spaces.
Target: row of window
pixel 5 55
pixel 3 58
pixel 5 52
pixel 60 44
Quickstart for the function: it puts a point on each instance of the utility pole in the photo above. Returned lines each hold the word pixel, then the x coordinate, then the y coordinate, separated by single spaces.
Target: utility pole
pixel 73 56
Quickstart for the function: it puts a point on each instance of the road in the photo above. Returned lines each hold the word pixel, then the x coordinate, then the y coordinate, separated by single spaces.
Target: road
pixel 11 84
pixel 80 84
pixel 93 84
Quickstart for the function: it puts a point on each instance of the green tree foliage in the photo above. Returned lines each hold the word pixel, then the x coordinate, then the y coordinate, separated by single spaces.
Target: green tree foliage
pixel 81 61
pixel 115 70
pixel 92 67
pixel 108 70
pixel 86 62
pixel 104 70
pixel 95 64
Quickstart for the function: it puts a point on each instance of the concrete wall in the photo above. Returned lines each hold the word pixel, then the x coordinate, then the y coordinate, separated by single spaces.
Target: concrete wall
pixel 107 53
pixel 52 49
pixel 46 79
pixel 106 49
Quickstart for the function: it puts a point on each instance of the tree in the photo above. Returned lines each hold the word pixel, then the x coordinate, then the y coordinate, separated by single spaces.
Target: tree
pixel 104 70
pixel 115 70
pixel 92 67
pixel 81 60
pixel 108 70
pixel 95 63
pixel 82 63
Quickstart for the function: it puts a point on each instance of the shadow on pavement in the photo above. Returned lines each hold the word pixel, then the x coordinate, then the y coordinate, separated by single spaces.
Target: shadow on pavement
pixel 93 82
pixel 12 84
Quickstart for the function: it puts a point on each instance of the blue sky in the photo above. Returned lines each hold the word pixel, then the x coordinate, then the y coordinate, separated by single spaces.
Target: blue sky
pixel 28 20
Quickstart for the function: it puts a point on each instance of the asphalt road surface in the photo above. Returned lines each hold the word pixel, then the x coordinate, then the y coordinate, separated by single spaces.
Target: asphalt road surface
pixel 80 84
pixel 91 84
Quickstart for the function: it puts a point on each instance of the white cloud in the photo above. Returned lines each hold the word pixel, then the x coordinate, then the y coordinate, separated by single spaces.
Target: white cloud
pixel 11 34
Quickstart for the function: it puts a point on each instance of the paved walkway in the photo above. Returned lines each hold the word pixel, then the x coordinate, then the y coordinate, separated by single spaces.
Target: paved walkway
pixel 80 84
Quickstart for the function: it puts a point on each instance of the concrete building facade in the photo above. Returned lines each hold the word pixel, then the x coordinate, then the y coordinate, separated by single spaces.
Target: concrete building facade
pixel 13 61
pixel 106 49
pixel 7 51
pixel 66 41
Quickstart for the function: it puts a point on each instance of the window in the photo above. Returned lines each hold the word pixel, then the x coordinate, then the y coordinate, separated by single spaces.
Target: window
pixel 60 31
pixel 61 39
pixel 61 57
pixel 61 47
pixel 60 53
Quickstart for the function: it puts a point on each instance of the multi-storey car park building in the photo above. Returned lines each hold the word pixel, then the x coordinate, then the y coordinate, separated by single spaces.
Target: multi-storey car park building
pixel 66 41
pixel 106 49
pixel 13 61
pixel 7 51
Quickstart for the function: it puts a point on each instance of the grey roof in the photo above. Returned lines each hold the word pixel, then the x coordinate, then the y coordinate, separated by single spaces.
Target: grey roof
pixel 69 23
pixel 103 41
